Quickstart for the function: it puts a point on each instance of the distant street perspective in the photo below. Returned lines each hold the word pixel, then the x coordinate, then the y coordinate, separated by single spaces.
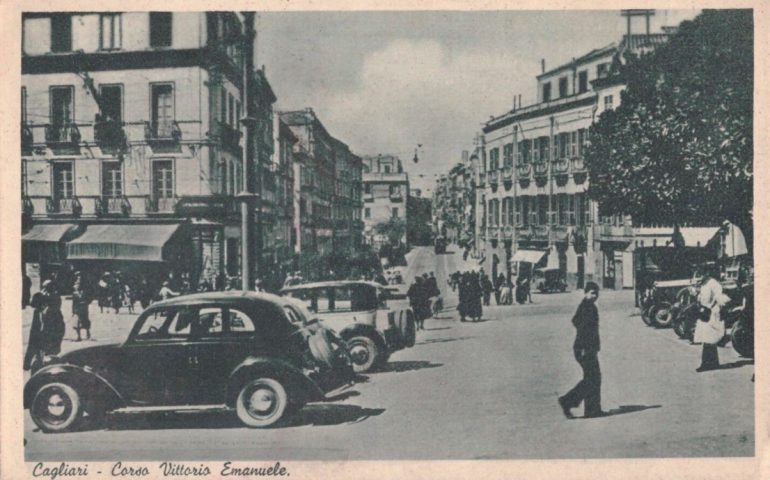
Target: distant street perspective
pixel 466 391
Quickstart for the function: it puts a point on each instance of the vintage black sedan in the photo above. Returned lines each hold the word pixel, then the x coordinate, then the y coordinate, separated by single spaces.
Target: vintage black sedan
pixel 257 354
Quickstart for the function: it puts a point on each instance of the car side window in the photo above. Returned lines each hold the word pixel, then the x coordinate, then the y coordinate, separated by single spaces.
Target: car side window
pixel 240 322
pixel 342 299
pixel 309 297
pixel 210 322
pixel 161 324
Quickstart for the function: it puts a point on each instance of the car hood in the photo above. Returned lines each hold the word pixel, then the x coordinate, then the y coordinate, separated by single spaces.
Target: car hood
pixel 98 355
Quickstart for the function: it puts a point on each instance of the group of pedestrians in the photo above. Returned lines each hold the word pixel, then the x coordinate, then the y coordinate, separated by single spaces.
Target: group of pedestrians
pixel 471 287
pixel 424 298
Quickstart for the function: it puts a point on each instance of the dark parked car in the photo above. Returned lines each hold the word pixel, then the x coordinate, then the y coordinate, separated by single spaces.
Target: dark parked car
pixel 258 354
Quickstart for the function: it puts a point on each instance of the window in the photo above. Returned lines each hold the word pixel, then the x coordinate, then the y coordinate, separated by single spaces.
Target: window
pixel 533 210
pixel 547 92
pixel 110 31
pixel 231 111
pixel 24 105
pixel 562 209
pixel 517 204
pixel 544 149
pixel 494 159
pixel 223 103
pixel 571 214
pixel 61 106
pixel 61 33
pixel 608 102
pixel 556 149
pixel 554 209
pixel 395 213
pixel 525 151
pixel 564 145
pixel 160 29
pixel 112 102
pixel 504 215
pixel 583 81
pixel 581 141
pixel 562 87
pixel 510 211
pixel 508 154
pixel 491 213
pixel 542 209
pixel 387 168
pixel 63 186
pixel 162 179
pixel 602 70
pixel 574 144
pixel 112 180
pixel 163 110
pixel 368 188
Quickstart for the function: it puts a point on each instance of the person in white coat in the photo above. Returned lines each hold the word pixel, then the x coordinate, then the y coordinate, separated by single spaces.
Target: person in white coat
pixel 710 328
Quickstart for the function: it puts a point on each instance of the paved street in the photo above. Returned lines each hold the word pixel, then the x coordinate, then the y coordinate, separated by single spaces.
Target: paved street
pixel 468 391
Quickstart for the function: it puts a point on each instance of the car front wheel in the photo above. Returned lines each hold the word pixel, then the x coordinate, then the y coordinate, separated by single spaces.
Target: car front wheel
pixel 57 407
pixel 363 352
pixel 261 402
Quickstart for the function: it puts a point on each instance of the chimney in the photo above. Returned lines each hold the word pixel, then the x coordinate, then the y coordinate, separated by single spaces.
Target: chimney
pixel 465 156
pixel 519 100
pixel 542 65
pixel 514 102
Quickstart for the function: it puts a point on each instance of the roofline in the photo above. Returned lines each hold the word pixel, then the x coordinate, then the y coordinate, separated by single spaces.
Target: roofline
pixel 592 55
pixel 541 109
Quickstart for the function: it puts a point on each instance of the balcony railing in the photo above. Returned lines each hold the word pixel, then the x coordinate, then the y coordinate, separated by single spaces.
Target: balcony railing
pixel 27 138
pixel 396 197
pixel 110 134
pixel 162 131
pixel 113 206
pixel 27 208
pixel 541 169
pixel 492 232
pixel 62 134
pixel 482 179
pixel 524 171
pixel 561 166
pixel 507 173
pixel 507 232
pixel 63 206
pixel 493 176
pixel 160 204
pixel 578 165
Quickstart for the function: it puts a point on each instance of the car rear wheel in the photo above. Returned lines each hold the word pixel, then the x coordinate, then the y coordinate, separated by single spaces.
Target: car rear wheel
pixel 57 407
pixel 661 315
pixel 363 352
pixel 743 339
pixel 261 402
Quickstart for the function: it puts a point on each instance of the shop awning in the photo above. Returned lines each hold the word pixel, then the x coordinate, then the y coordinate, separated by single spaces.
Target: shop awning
pixel 531 256
pixel 45 243
pixel 47 233
pixel 698 236
pixel 121 242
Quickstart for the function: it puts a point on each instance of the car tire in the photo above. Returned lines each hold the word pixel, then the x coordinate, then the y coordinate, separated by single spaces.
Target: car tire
pixel 57 407
pixel 661 315
pixel 743 339
pixel 646 317
pixel 364 353
pixel 261 402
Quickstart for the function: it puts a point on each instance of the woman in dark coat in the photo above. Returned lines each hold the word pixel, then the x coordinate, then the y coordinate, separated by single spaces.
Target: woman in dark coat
pixel 47 330
pixel 474 297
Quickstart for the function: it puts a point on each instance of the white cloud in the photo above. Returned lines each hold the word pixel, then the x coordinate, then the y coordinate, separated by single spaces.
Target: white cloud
pixel 417 91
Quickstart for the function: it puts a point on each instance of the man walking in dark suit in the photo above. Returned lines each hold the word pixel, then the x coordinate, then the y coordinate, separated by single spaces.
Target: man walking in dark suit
pixel 586 348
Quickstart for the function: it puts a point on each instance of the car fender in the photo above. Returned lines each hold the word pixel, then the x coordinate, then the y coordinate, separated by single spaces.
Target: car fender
pixel 297 383
pixel 362 330
pixel 96 390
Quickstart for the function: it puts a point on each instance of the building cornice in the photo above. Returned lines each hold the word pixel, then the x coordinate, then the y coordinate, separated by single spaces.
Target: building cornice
pixel 540 110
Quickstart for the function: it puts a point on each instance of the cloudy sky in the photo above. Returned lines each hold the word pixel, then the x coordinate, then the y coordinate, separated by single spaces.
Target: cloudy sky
pixel 384 82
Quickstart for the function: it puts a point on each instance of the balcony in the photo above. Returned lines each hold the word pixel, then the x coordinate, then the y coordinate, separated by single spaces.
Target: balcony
pixel 561 166
pixel 396 197
pixel 524 173
pixel 27 138
pixel 62 136
pixel 63 206
pixel 160 205
pixel 507 231
pixel 493 177
pixel 112 206
pixel 368 197
pixel 110 136
pixel 536 233
pixel 27 208
pixel 162 132
pixel 579 172
pixel 541 173
pixel 482 179
pixel 507 173
pixel 493 232
pixel 230 139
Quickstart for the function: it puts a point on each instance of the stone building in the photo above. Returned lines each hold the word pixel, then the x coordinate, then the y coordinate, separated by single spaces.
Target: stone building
pixel 386 187
pixel 131 139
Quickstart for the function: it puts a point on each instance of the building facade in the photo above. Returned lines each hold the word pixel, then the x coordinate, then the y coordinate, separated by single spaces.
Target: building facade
pixel 133 119
pixel 532 183
pixel 386 187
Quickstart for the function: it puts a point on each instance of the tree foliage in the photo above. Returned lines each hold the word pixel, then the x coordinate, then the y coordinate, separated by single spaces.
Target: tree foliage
pixel 678 149
pixel 394 229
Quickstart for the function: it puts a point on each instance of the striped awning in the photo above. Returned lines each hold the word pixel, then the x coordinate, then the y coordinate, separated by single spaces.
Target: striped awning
pixel 122 242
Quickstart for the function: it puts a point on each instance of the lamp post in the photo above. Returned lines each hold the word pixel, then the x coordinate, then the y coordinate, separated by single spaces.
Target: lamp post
pixel 248 124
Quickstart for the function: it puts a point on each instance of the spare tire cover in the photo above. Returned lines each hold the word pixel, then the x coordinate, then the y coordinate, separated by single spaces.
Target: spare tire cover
pixel 322 348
